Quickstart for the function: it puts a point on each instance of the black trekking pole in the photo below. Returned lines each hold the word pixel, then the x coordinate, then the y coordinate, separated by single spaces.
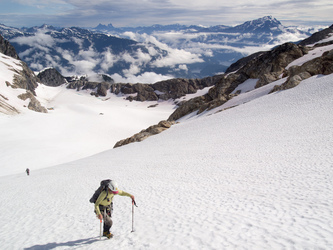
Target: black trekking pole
pixel 133 203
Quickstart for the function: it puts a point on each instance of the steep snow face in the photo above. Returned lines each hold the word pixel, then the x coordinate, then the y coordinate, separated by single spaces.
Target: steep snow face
pixel 256 176
pixel 8 65
pixel 9 103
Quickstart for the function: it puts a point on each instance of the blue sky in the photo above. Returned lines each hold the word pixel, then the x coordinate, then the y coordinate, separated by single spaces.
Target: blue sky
pixel 88 13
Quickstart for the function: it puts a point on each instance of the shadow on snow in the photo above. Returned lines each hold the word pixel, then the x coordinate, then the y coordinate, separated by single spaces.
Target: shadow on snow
pixel 65 244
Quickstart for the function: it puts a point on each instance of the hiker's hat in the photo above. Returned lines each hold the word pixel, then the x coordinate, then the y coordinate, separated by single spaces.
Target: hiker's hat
pixel 113 186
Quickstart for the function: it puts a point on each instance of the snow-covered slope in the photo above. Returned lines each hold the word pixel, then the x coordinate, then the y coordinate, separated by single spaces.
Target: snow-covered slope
pixel 77 125
pixel 257 176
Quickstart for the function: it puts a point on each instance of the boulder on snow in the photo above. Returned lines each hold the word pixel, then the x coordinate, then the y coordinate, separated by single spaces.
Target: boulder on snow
pixel 51 77
pixel 34 104
pixel 25 79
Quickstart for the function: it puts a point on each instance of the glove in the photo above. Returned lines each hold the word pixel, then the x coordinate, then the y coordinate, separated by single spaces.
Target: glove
pixel 133 200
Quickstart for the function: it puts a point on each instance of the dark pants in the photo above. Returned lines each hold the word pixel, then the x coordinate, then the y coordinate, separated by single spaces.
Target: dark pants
pixel 106 212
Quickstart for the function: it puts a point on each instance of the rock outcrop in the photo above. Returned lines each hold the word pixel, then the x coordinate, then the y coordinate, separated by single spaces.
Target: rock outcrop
pixel 82 83
pixel 7 49
pixel 320 65
pixel 242 62
pixel 268 66
pixel 34 104
pixel 163 90
pixel 138 92
pixel 144 134
pixel 23 79
pixel 264 66
pixel 26 79
pixel 51 77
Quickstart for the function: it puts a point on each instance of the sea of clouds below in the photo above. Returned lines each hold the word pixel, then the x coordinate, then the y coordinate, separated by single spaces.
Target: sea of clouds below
pixel 183 49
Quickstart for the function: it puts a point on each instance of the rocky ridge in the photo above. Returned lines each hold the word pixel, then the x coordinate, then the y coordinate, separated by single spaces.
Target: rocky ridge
pixel 267 67
pixel 163 90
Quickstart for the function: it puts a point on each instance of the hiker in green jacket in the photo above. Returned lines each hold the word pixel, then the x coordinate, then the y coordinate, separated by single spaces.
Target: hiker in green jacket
pixel 104 206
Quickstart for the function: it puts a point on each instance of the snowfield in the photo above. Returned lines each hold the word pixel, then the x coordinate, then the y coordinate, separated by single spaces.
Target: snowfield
pixel 78 125
pixel 256 176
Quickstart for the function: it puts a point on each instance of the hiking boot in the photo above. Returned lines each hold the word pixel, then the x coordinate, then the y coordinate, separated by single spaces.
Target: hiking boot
pixel 108 235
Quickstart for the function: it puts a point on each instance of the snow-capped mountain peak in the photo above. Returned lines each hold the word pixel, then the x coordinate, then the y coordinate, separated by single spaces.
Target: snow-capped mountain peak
pixel 264 24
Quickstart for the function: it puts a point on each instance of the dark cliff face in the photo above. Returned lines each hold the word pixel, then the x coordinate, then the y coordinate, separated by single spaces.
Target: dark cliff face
pixel 7 49
pixel 51 77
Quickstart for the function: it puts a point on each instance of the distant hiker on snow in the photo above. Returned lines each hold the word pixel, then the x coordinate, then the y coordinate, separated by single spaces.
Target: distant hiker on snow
pixel 104 204
pixel 28 171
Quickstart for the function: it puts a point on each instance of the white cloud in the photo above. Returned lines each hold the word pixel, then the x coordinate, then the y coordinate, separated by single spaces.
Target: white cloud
pixel 78 41
pixel 152 51
pixel 84 67
pixel 143 57
pixel 37 66
pixel 176 56
pixel 108 60
pixel 26 53
pixel 39 39
pixel 286 37
pixel 196 43
pixel 183 67
pixel 146 77
pixel 133 70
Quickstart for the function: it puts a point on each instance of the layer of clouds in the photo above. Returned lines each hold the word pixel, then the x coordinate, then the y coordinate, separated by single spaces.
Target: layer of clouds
pixel 43 51
pixel 196 45
pixel 180 50
pixel 174 57
pixel 147 12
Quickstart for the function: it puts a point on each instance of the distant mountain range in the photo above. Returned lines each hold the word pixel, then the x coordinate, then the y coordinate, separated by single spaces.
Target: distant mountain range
pixel 267 24
pixel 290 61
pixel 147 54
